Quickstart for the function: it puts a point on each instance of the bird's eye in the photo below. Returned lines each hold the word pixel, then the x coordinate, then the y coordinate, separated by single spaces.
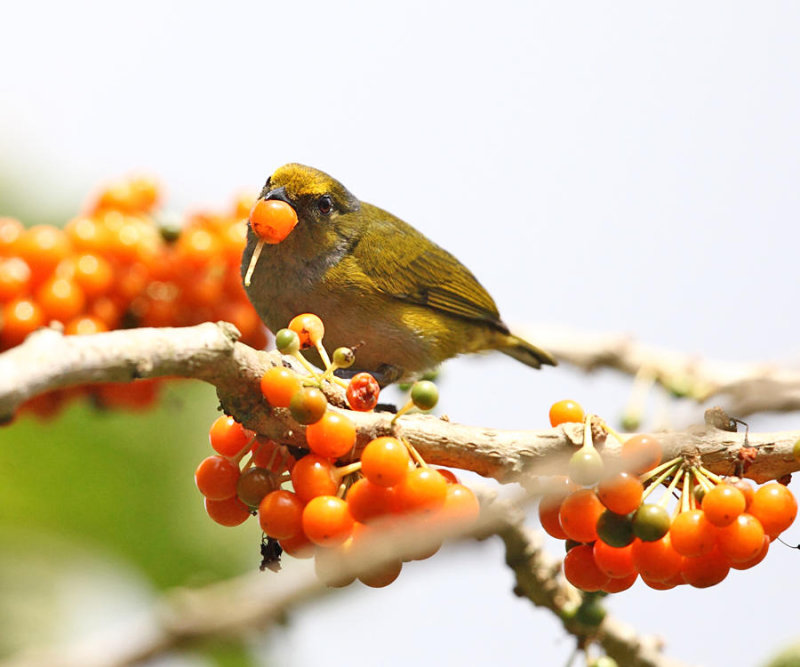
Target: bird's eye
pixel 324 204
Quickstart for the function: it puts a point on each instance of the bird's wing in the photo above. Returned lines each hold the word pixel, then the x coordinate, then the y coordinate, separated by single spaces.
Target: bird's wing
pixel 410 267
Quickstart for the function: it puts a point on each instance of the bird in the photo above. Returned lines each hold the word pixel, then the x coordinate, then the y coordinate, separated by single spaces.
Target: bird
pixel 381 287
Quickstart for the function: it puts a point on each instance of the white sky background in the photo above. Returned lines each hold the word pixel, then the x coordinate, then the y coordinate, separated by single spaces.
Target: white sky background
pixel 627 166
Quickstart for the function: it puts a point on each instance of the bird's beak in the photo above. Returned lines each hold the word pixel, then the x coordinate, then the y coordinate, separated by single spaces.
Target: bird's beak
pixel 279 193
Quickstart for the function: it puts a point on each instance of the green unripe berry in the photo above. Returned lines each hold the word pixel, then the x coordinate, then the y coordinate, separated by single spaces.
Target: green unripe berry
pixel 651 522
pixel 343 357
pixel 591 612
pixel 287 341
pixel 308 405
pixel 585 466
pixel 616 530
pixel 424 395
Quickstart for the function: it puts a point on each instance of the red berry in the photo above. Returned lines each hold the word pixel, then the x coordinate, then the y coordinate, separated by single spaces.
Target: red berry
pixel 363 392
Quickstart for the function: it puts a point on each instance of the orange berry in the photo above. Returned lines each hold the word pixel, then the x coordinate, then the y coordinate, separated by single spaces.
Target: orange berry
pixel 84 325
pixel 579 514
pixel 87 234
pixel 332 436
pixel 742 539
pixel 619 584
pixel 278 385
pixel 461 507
pixel 723 504
pixel 368 501
pixel 385 461
pixel 549 509
pixel 280 514
pixel 228 437
pixel 272 220
pixel 422 490
pixel 755 560
pixel 581 570
pixel 641 453
pixel 61 299
pixel 615 562
pixel 775 507
pixel 10 231
pixel 706 570
pixel 198 247
pixel 19 318
pixel 298 546
pixel 314 476
pixel 93 274
pixel 229 512
pixel 692 534
pixel 620 492
pixel 327 521
pixel 382 575
pixel 564 412
pixel 272 456
pixel 309 329
pixel 656 561
pixel 43 247
pixel 15 277
pixel 216 478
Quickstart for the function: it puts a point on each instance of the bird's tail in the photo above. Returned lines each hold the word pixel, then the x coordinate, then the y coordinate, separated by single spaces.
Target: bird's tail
pixel 526 352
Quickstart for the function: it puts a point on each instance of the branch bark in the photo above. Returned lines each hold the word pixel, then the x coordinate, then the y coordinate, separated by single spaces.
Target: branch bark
pixel 744 388
pixel 210 352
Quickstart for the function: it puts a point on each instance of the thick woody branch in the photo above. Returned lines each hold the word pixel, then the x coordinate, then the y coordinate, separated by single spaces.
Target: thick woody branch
pixel 745 388
pixel 209 352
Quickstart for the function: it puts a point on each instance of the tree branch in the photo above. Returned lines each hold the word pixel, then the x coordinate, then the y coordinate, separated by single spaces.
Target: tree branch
pixel 746 388
pixel 48 360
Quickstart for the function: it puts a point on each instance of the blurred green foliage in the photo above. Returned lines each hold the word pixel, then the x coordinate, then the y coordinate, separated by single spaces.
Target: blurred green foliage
pixel 118 488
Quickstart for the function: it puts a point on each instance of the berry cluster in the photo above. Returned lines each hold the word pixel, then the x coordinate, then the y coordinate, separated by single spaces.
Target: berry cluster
pixel 323 504
pixel 614 533
pixel 116 266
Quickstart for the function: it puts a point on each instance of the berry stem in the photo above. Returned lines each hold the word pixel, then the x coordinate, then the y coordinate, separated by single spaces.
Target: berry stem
pixel 684 504
pixel 414 453
pixel 659 469
pixel 323 353
pixel 350 468
pixel 666 473
pixel 587 433
pixel 241 454
pixel 665 498
pixel 710 475
pixel 305 363
pixel 611 431
pixel 252 266
pixel 701 478
pixel 402 411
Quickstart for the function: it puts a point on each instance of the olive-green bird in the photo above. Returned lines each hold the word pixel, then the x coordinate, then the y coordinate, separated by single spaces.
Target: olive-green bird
pixel 379 285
